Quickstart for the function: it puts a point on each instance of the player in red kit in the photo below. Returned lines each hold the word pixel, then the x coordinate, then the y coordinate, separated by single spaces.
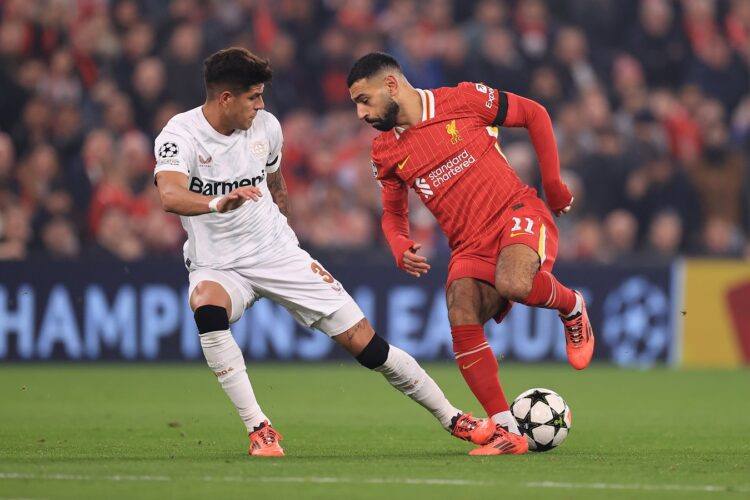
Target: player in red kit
pixel 443 144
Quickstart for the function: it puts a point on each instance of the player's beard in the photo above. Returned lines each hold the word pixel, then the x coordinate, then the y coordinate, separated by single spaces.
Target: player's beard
pixel 388 121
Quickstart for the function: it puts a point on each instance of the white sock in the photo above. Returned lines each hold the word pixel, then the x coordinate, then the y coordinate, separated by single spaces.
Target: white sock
pixel 405 374
pixel 225 359
pixel 507 419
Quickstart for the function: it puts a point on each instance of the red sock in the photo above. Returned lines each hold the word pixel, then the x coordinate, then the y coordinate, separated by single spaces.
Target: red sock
pixel 549 293
pixel 478 365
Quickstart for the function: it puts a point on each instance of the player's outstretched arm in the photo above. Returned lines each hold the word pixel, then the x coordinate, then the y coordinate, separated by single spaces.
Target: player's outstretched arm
pixel 533 116
pixel 178 199
pixel 395 224
pixel 277 186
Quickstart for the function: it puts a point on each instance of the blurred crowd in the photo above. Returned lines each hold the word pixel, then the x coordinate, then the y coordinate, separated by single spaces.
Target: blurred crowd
pixel 650 102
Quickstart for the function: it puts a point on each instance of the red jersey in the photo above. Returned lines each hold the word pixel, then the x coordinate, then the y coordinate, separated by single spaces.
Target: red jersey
pixel 452 159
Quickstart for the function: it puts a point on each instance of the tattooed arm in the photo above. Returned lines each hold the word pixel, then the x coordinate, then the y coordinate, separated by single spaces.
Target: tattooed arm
pixel 277 186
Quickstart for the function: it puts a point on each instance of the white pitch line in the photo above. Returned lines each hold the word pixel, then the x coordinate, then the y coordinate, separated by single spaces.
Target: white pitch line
pixel 19 498
pixel 410 481
pixel 236 479
pixel 313 479
pixel 80 477
pixel 710 488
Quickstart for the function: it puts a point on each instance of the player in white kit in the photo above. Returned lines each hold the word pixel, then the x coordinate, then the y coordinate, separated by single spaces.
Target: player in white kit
pixel 217 166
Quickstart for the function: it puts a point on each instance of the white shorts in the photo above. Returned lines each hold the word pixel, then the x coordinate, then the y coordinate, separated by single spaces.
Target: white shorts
pixel 292 278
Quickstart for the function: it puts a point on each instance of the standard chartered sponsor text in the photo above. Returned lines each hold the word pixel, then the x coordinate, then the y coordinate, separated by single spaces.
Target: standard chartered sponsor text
pixel 451 168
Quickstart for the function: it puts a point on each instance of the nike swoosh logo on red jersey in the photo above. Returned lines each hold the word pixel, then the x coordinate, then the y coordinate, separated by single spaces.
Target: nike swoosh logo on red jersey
pixel 402 164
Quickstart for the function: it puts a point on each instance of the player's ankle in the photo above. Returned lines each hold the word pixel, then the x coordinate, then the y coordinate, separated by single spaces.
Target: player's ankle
pixel 576 309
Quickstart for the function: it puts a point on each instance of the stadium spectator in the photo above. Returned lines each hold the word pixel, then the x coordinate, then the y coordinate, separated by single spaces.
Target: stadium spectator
pixel 737 26
pixel 721 238
pixel 488 14
pixel 60 239
pixel 657 41
pixel 603 173
pixel 719 72
pixel 498 61
pixel 8 185
pixel 665 237
pixel 658 185
pixel 15 233
pixel 454 53
pixel 291 78
pixel 137 43
pixel 36 174
pixel 149 90
pixel 589 240
pixel 531 20
pixel 572 62
pixel 182 61
pixel 718 176
pixel 546 88
pixel 115 236
pixel 621 232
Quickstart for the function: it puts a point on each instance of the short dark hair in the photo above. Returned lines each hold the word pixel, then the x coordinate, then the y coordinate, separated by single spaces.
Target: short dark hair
pixel 369 64
pixel 235 69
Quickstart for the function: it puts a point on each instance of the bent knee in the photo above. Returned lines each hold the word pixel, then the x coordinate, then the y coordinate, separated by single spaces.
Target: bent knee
pixel 464 301
pixel 458 315
pixel 210 293
pixel 515 288
pixel 356 338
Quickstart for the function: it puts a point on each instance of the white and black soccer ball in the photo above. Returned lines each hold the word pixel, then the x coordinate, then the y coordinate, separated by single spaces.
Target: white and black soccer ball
pixel 543 416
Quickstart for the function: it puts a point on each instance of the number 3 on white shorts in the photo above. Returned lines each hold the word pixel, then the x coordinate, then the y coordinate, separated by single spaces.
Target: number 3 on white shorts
pixel 318 269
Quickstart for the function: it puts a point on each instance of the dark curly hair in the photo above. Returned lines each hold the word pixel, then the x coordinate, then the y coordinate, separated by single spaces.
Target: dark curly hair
pixel 234 69
pixel 369 64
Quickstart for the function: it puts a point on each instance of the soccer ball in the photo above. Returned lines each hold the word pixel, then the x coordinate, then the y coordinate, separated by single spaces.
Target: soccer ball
pixel 543 417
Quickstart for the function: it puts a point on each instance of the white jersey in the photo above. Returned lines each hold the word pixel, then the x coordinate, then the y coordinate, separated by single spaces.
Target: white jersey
pixel 215 165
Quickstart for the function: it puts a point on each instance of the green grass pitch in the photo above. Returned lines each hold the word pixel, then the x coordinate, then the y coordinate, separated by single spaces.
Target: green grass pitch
pixel 168 431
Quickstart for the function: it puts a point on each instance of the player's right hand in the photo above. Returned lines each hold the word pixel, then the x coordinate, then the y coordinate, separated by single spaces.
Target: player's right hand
pixel 559 198
pixel 237 197
pixel 414 264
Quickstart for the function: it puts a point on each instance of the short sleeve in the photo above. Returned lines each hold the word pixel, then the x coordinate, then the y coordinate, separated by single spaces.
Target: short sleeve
pixel 171 153
pixel 488 103
pixel 384 177
pixel 276 141
pixel 375 171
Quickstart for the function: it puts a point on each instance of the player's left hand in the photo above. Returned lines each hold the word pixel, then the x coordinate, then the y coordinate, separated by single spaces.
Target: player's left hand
pixel 414 264
pixel 237 197
pixel 559 198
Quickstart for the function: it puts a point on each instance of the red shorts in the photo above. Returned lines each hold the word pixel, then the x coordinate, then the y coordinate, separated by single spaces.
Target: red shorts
pixel 526 222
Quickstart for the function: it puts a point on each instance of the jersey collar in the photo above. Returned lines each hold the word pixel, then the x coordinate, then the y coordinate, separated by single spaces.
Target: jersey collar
pixel 428 104
pixel 428 109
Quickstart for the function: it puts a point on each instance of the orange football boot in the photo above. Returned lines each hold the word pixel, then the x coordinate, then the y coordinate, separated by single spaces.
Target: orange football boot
pixel 503 442
pixel 265 442
pixel 469 428
pixel 579 337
